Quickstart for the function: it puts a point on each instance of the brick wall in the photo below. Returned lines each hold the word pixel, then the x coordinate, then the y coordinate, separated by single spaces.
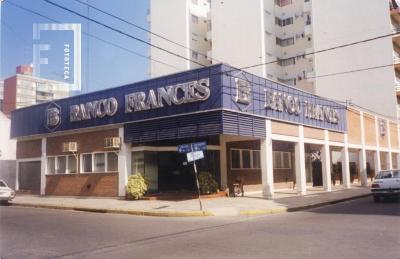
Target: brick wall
pixel 88 184
pixel 95 184
pixel 394 136
pixel 369 130
pixel 29 149
pixel 354 127
pixel 87 142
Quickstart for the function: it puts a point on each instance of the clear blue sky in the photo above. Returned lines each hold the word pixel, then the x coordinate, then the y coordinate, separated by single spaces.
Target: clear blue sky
pixel 103 65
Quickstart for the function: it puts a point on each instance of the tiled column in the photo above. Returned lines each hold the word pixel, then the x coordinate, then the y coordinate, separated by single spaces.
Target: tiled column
pixel 267 169
pixel 363 167
pixel 300 162
pixel 124 164
pixel 389 160
pixel 345 163
pixel 43 169
pixel 326 163
pixel 223 162
pixel 377 161
pixel 363 153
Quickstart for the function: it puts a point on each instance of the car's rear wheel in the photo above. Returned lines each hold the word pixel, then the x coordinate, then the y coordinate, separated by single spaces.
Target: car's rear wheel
pixel 377 198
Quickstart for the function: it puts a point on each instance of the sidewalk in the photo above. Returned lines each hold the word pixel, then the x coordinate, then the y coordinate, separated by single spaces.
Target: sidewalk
pixel 250 205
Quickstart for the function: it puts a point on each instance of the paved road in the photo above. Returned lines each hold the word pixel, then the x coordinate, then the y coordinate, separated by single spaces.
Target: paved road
pixel 355 229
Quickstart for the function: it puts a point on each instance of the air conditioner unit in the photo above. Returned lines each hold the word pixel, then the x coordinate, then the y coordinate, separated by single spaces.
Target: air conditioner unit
pixel 70 147
pixel 113 142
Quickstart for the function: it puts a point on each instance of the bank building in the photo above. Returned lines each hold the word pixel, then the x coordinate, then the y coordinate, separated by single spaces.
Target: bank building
pixel 267 135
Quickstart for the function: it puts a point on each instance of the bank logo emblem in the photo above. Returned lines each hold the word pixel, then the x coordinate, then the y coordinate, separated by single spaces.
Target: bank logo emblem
pixel 52 116
pixel 243 91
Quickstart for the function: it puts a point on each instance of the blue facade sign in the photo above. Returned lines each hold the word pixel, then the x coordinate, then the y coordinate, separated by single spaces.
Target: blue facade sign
pixel 196 146
pixel 218 88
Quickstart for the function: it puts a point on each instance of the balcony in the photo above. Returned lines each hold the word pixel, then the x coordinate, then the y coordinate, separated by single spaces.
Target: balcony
pixel 394 10
pixel 307 6
pixel 307 30
pixel 209 35
pixel 310 76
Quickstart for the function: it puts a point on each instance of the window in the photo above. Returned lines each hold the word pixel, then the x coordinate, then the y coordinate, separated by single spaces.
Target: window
pixel 99 162
pixel 195 19
pixel 286 62
pixel 285 42
pixel 235 159
pixel 61 165
pixel 283 2
pixel 72 165
pixel 283 22
pixel 245 159
pixel 194 55
pixel 51 165
pixel 282 160
pixel 112 162
pixel 256 159
pixel 2 184
pixel 87 163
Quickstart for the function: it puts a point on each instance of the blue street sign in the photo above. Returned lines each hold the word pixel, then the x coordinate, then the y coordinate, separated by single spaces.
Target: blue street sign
pixel 197 146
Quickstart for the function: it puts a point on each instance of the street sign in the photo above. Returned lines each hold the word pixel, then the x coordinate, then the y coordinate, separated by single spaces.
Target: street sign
pixel 197 146
pixel 193 156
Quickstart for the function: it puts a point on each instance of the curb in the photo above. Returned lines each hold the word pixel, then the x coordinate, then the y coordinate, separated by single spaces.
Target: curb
pixel 188 213
pixel 119 211
pixel 300 208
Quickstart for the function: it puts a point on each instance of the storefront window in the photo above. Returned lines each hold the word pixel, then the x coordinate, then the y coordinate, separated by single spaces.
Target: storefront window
pixel 112 162
pixel 87 163
pixel 72 164
pixel 61 165
pixel 235 158
pixel 99 162
pixel 51 165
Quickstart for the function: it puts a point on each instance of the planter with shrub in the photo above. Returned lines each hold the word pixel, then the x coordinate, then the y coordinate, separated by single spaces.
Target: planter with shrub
pixel 137 186
pixel 207 183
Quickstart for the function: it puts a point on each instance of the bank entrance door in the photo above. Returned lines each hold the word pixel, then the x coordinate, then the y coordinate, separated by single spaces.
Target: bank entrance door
pixel 174 173
pixel 29 176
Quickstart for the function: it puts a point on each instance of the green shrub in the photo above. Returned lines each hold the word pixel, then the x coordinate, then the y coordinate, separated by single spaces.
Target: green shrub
pixel 207 183
pixel 136 187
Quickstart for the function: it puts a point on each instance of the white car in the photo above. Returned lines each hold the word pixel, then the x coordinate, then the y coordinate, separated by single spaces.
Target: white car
pixel 386 184
pixel 6 193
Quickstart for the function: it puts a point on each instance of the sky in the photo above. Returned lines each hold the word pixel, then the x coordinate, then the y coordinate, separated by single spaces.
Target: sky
pixel 104 65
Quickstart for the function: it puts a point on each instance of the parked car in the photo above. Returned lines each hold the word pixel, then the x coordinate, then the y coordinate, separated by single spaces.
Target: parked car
pixel 386 184
pixel 6 193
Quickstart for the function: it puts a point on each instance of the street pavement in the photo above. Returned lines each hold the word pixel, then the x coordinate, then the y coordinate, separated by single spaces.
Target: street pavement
pixel 353 229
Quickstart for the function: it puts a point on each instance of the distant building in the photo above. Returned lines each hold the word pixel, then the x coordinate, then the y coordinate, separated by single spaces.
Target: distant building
pixel 7 152
pixel 281 36
pixel 23 89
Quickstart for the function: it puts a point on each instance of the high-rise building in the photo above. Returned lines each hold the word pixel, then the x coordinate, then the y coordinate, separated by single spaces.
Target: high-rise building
pixel 281 37
pixel 395 19
pixel 1 94
pixel 23 89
